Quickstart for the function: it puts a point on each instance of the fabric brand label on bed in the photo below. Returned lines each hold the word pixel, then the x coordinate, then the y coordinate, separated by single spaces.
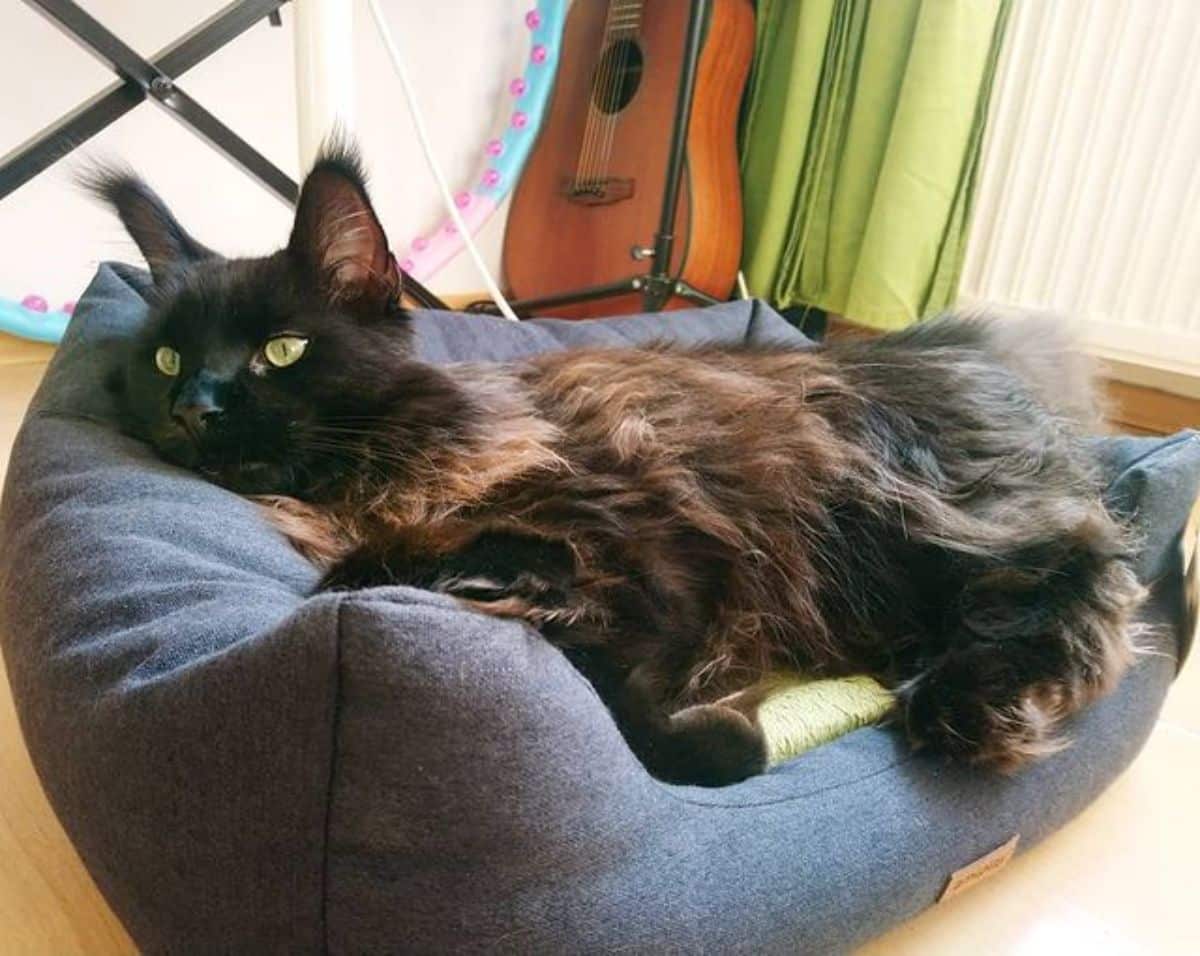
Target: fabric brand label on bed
pixel 981 869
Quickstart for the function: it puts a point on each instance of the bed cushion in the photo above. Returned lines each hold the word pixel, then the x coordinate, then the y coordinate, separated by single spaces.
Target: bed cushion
pixel 244 768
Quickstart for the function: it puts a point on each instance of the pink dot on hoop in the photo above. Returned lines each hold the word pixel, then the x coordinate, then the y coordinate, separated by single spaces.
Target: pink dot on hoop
pixel 35 303
pixel 518 86
pixel 533 19
pixel 494 147
pixel 69 307
pixel 450 229
pixel 462 200
pixel 519 120
pixel 420 244
pixel 538 54
pixel 491 177
pixel 407 265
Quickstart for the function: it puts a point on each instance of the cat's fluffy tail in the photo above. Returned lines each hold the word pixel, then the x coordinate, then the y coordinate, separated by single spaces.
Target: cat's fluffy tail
pixel 1044 351
pixel 1040 348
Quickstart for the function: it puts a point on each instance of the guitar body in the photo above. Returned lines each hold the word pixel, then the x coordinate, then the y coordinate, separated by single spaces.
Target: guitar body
pixel 592 190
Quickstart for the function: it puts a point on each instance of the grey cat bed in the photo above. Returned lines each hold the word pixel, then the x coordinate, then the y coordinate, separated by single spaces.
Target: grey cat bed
pixel 244 768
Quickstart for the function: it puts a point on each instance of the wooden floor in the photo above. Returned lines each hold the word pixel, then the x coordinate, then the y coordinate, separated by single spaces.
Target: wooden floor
pixel 49 906
pixel 1120 879
pixel 1149 411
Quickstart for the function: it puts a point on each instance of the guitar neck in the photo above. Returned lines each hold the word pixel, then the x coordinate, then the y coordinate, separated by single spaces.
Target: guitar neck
pixel 624 20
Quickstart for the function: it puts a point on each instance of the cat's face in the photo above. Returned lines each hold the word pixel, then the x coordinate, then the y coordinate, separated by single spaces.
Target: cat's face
pixel 259 372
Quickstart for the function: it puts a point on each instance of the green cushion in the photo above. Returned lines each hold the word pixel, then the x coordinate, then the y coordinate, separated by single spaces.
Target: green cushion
pixel 799 713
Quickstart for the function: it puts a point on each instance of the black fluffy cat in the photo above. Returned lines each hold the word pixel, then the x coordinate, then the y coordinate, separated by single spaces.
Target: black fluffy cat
pixel 919 507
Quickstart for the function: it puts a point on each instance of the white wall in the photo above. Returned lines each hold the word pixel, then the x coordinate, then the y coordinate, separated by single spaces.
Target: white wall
pixel 461 53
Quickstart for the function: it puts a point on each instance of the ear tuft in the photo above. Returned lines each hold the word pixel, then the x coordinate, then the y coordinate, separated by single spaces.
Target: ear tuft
pixel 165 244
pixel 337 238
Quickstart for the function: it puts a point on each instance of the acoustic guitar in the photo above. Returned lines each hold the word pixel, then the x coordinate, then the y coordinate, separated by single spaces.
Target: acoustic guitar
pixel 587 208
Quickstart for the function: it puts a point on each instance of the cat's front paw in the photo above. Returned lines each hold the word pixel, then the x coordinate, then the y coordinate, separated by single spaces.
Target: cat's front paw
pixel 974 709
pixel 710 745
pixel 721 746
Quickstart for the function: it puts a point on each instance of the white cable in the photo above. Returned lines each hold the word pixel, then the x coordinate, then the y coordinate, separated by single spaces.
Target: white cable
pixel 447 197
pixel 742 287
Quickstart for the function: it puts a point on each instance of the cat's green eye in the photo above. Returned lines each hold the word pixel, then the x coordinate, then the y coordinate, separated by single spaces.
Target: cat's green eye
pixel 285 350
pixel 166 360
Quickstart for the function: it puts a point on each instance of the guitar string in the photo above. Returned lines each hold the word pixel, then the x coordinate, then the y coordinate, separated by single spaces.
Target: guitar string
pixel 587 129
pixel 607 89
pixel 618 59
pixel 632 21
pixel 605 92
pixel 589 133
pixel 631 17
pixel 616 48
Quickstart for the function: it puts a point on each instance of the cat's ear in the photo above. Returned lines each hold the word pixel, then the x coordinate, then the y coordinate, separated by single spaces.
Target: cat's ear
pixel 338 240
pixel 165 244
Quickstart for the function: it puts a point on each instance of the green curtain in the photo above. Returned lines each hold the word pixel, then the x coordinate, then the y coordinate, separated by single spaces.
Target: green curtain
pixel 861 142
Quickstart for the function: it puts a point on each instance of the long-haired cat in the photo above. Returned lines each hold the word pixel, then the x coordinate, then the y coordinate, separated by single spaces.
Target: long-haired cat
pixel 920 507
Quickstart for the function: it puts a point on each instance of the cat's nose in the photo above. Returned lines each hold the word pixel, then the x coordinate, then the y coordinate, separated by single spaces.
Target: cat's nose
pixel 197 418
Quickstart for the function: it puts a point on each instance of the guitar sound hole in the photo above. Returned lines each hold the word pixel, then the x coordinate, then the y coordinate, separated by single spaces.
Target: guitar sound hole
pixel 617 77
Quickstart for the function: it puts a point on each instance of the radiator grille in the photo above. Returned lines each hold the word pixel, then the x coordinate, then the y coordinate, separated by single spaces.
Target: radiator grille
pixel 1089 200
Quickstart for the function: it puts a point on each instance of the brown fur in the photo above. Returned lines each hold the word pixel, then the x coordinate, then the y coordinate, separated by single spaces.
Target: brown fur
pixel 708 483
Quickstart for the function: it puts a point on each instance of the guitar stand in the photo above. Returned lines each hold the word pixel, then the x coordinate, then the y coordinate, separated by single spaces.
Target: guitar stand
pixel 156 80
pixel 657 285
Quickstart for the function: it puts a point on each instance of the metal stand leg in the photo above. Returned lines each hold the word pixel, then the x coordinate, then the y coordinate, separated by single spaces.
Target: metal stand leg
pixel 421 295
pixel 142 79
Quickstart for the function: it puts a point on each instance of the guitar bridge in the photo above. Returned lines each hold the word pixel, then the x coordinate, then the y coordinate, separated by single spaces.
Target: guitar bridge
pixel 598 192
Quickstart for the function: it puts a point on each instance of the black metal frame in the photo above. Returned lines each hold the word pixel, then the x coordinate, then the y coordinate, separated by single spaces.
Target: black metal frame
pixel 156 80
pixel 657 285
pixel 141 79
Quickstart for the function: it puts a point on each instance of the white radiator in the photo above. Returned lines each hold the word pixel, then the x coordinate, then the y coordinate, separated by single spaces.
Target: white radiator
pixel 1089 192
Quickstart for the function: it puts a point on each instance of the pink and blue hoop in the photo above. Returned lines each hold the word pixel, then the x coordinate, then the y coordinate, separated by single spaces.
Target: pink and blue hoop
pixel 31 318
pixel 504 156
